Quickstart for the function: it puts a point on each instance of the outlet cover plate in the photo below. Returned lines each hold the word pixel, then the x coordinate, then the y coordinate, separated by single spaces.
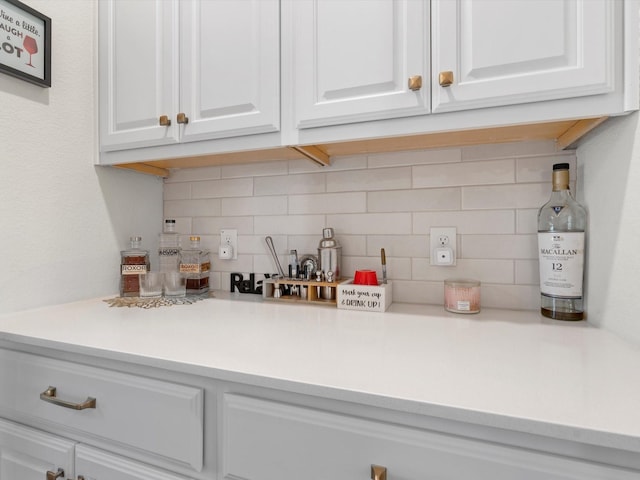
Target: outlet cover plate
pixel 442 237
pixel 230 237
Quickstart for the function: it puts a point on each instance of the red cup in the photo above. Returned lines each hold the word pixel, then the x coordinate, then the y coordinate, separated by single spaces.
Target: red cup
pixel 365 277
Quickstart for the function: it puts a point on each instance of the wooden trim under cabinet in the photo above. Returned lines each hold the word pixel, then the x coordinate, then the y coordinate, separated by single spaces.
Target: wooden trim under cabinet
pixel 564 133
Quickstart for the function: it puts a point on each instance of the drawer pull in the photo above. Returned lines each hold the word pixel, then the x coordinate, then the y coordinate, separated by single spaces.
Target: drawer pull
pixel 49 395
pixel 53 475
pixel 378 472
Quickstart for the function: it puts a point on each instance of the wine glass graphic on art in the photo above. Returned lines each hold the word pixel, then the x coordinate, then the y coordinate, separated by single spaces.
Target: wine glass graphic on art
pixel 30 45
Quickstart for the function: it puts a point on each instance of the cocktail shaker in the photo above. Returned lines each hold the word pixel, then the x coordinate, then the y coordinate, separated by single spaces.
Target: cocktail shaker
pixel 329 254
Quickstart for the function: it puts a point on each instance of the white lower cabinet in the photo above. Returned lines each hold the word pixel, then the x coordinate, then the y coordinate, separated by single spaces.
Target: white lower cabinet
pixel 93 464
pixel 95 423
pixel 266 440
pixel 28 454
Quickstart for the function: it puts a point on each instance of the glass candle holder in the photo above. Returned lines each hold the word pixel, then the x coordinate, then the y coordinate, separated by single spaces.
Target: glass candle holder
pixel 462 295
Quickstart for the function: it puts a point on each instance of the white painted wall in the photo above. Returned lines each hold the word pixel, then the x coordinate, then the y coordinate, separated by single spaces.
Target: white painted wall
pixel 609 167
pixel 64 220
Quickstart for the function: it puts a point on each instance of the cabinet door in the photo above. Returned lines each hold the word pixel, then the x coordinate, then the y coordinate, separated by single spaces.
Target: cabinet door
pixel 352 60
pixel 138 73
pixel 93 464
pixel 264 440
pixel 230 67
pixel 505 52
pixel 27 454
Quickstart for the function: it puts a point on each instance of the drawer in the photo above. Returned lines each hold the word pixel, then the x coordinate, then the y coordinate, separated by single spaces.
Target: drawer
pixel 264 440
pixel 153 416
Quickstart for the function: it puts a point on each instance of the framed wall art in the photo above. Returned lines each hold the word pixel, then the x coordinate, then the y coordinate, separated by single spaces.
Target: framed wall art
pixel 25 43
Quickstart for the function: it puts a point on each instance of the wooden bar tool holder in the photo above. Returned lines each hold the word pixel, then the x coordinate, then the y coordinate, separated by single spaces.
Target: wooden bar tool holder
pixel 312 291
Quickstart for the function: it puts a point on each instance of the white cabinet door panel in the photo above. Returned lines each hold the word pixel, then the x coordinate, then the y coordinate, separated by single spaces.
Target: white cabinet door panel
pixel 265 440
pixel 506 52
pixel 27 454
pixel 230 67
pixel 94 464
pixel 138 73
pixel 352 60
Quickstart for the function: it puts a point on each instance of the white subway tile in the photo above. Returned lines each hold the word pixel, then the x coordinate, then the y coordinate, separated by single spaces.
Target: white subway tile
pixel 527 221
pixel 176 191
pixel 193 174
pixel 289 224
pixel 538 169
pixel 371 223
pixel 425 293
pixel 527 272
pixel 414 157
pixel 466 222
pixel 270 205
pixel 523 195
pixel 241 187
pixel 257 245
pixel 347 162
pixel 265 264
pixel 500 246
pixel 213 225
pixel 414 200
pixel 256 169
pixel 398 245
pixel 306 244
pixel 490 271
pixel 368 180
pixel 290 184
pixel 355 245
pixel 244 263
pixel 516 297
pixel 209 207
pixel 348 202
pixel 490 172
pixel 507 150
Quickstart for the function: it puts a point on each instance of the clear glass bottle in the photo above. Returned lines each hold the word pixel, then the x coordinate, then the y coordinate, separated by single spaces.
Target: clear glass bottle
pixel 133 262
pixel 562 223
pixel 195 265
pixel 169 248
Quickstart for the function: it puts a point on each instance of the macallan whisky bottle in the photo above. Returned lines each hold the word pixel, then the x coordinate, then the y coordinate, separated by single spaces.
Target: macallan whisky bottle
pixel 195 265
pixel 133 262
pixel 561 241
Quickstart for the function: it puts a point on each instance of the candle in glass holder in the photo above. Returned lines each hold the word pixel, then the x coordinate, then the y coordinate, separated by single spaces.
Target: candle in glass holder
pixel 462 295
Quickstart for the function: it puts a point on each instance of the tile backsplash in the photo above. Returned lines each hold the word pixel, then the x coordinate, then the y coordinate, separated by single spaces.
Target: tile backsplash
pixel 490 193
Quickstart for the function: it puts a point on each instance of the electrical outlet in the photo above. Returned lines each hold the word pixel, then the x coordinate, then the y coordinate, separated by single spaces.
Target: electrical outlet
pixel 442 246
pixel 228 245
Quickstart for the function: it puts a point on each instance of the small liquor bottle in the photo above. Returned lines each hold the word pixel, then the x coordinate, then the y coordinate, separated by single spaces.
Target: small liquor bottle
pixel 169 248
pixel 195 264
pixel 133 262
pixel 561 230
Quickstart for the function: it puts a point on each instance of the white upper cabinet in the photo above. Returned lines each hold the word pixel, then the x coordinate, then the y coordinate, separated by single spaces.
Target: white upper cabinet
pixel 352 60
pixel 177 71
pixel 502 52
pixel 138 73
pixel 230 67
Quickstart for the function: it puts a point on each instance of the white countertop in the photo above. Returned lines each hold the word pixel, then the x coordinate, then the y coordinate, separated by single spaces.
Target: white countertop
pixel 500 368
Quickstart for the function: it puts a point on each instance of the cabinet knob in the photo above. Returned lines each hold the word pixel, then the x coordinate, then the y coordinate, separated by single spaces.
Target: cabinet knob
pixel 53 475
pixel 445 79
pixel 378 472
pixel 165 121
pixel 415 82
pixel 182 118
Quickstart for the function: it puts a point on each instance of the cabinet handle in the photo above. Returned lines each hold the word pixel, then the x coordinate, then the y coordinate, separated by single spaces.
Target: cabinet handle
pixel 415 82
pixel 53 475
pixel 165 121
pixel 49 395
pixel 445 79
pixel 378 472
pixel 182 118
